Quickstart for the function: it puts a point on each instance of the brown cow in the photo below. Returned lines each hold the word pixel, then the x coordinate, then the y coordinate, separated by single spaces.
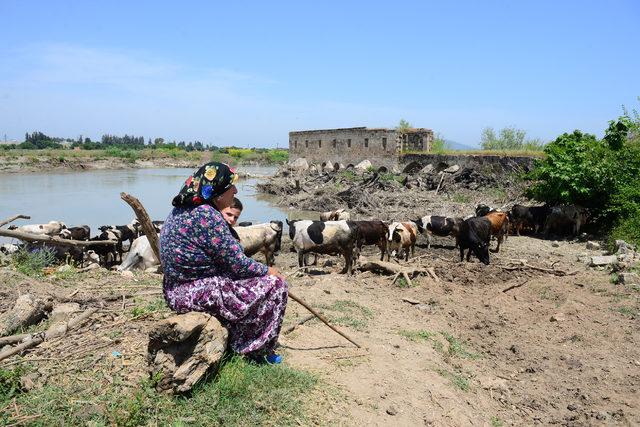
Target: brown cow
pixel 402 235
pixel 499 226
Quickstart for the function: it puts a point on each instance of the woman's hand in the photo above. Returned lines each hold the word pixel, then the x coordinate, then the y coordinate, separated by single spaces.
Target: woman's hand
pixel 274 272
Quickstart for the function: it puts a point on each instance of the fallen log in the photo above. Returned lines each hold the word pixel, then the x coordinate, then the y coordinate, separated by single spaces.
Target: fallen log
pixel 27 311
pixel 182 348
pixel 30 237
pixel 520 264
pixel 56 331
pixel 13 218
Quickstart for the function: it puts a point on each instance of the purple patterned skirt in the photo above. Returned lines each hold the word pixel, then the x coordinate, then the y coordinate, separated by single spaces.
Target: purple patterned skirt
pixel 251 309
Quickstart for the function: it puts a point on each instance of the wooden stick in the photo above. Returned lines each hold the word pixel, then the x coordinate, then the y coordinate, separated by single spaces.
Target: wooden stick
pixel 515 286
pixel 40 337
pixel 294 326
pixel 30 237
pixel 13 218
pixel 321 317
pixel 145 222
pixel 439 184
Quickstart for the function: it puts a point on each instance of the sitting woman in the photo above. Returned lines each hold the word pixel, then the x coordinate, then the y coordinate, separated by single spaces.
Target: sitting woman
pixel 206 270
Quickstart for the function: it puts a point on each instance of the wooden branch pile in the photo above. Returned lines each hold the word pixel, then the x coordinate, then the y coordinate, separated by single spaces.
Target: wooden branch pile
pixel 521 264
pixel 406 271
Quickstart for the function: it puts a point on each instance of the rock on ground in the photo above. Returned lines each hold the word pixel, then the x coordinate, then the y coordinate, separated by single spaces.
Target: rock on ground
pixel 182 348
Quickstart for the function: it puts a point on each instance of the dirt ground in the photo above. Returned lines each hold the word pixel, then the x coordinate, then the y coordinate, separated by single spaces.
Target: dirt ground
pixel 484 345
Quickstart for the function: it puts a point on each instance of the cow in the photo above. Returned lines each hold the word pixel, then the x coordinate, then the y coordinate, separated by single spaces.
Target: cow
pixel 157 225
pixel 482 209
pixel 474 234
pixel 53 228
pixel 402 235
pixel 82 232
pixel 337 215
pixel 265 238
pixel 108 253
pixel 438 226
pixel 499 226
pixel 565 220
pixel 245 224
pixel 9 248
pixel 140 256
pixel 325 237
pixel 533 217
pixel 128 232
pixel 373 233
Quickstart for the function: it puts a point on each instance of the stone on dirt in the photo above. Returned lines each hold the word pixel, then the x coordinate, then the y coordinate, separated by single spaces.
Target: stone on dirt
pixel 452 169
pixel 594 246
pixel 27 311
pixel 623 247
pixel 597 261
pixel 629 279
pixel 299 165
pixel 428 169
pixel 182 348
pixel 363 166
pixel 63 312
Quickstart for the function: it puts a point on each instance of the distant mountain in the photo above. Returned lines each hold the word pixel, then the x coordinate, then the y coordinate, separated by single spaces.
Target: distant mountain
pixel 453 145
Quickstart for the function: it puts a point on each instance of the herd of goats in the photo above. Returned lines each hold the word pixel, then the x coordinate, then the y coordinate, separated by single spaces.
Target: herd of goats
pixel 333 234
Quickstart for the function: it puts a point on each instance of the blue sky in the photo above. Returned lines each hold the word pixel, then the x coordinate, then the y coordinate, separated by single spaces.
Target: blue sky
pixel 246 74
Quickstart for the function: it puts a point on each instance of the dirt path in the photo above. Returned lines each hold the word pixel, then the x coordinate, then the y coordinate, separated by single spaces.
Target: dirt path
pixel 555 350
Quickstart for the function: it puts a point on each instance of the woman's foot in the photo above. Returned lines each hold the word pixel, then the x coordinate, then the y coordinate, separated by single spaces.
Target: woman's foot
pixel 261 359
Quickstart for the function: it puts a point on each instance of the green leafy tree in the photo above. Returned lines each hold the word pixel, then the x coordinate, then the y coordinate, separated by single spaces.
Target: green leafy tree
pixel 439 144
pixel 509 138
pixel 403 126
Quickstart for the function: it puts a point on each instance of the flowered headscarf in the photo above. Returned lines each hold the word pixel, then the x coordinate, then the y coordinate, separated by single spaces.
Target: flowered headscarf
pixel 207 183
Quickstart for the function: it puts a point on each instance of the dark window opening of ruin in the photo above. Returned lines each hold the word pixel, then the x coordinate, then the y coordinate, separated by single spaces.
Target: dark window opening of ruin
pixel 366 142
pixel 295 144
pixel 306 144
pixel 333 143
pixel 384 143
pixel 349 143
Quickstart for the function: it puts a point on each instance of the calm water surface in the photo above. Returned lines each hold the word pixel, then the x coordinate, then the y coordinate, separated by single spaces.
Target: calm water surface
pixel 93 197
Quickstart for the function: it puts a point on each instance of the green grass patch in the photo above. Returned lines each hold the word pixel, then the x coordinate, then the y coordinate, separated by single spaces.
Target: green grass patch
pixel 461 198
pixel 241 394
pixel 349 313
pixel 496 422
pixel 419 335
pixel 32 262
pixel 150 307
pixel 629 311
pixel 457 380
pixel 457 348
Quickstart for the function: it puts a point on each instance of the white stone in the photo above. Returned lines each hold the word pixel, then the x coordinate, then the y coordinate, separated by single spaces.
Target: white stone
pixel 363 165
pixel 629 279
pixel 299 165
pixel 603 260
pixel 452 169
pixel 63 312
pixel 64 268
pixel 328 166
pixel 428 169
pixel 127 273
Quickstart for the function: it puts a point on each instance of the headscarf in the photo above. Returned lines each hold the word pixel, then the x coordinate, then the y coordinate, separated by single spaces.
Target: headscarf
pixel 207 183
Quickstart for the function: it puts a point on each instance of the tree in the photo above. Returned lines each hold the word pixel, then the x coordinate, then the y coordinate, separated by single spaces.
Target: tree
pixel 439 144
pixel 510 138
pixel 403 126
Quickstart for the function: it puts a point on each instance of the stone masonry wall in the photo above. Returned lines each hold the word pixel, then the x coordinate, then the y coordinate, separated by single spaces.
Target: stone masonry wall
pixel 352 145
pixel 478 162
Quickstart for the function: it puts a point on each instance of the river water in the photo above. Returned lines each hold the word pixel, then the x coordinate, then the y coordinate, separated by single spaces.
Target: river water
pixel 93 197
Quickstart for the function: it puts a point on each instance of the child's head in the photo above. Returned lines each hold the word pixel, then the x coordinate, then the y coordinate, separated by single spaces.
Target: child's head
pixel 232 213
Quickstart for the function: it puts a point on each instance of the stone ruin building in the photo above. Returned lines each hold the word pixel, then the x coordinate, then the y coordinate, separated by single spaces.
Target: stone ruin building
pixel 352 145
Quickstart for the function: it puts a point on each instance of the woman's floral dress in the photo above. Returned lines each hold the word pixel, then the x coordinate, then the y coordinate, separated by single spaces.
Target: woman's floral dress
pixel 206 270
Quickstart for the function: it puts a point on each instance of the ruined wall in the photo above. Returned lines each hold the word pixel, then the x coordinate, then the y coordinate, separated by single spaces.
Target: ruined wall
pixel 473 161
pixel 352 145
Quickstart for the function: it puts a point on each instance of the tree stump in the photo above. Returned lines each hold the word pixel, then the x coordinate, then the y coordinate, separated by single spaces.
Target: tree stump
pixel 182 348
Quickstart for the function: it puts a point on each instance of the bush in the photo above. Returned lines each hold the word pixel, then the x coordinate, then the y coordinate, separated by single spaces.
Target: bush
pixel 32 262
pixel 627 229
pixel 510 138
pixel 602 175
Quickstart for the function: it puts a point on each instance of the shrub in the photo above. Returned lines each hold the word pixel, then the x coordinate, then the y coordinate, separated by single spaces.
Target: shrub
pixel 32 262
